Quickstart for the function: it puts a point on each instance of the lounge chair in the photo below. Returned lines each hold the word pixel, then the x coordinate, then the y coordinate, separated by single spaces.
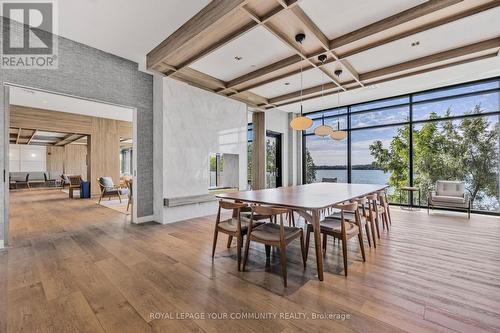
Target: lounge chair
pixel 109 189
pixel 449 194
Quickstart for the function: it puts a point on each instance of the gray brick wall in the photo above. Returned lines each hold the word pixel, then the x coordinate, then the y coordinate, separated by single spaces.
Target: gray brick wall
pixel 91 73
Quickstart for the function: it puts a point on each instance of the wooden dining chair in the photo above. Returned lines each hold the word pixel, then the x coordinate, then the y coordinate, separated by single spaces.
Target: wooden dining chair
pixel 365 222
pixel 376 211
pixel 341 229
pixel 384 202
pixel 236 226
pixel 273 234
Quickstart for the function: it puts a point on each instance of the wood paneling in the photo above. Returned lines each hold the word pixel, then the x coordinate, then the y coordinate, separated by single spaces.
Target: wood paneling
pixel 55 160
pixel 259 151
pixel 105 151
pixel 104 140
pixel 94 270
pixel 75 160
pixel 47 120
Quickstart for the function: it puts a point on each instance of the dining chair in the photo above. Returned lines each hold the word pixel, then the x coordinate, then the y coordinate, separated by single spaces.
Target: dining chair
pixel 385 204
pixel 365 221
pixel 129 184
pixel 235 226
pixel 341 229
pixel 273 234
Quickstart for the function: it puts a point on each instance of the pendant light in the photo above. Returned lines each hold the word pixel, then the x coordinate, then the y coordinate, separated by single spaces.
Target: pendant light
pixel 301 122
pixel 338 134
pixel 323 130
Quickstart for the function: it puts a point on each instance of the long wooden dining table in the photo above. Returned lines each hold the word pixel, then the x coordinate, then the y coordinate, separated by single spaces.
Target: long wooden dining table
pixel 308 201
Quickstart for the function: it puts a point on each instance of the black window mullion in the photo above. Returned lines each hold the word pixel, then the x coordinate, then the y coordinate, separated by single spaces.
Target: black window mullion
pixel 349 164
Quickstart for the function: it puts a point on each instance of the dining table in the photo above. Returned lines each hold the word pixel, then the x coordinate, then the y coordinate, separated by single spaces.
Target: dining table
pixel 308 201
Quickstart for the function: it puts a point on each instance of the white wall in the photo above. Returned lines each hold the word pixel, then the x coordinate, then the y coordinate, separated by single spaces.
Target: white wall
pixel 190 124
pixel 27 158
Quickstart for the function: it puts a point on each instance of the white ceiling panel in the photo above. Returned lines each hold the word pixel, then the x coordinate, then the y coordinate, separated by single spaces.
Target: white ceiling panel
pixel 55 102
pixel 312 77
pixel 256 48
pixel 459 33
pixel 336 18
pixel 448 76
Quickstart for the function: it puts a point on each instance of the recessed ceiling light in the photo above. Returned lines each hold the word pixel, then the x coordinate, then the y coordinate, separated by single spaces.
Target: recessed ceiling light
pixel 416 43
pixel 238 58
pixel 287 83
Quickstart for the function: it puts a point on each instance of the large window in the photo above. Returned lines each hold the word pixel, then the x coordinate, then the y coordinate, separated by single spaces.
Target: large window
pixel 454 136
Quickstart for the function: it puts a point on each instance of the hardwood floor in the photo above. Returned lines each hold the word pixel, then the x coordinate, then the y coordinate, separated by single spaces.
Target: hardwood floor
pixel 76 266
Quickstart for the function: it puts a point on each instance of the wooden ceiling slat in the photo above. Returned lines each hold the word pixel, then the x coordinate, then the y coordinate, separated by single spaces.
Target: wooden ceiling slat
pixel 392 21
pixel 215 11
pixel 421 10
pixel 32 136
pixel 408 65
pixel 425 27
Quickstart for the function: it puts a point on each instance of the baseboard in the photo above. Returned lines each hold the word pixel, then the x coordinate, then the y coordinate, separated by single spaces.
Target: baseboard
pixel 144 219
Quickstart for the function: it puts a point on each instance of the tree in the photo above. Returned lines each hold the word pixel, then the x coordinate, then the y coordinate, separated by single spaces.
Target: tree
pixel 310 168
pixel 447 150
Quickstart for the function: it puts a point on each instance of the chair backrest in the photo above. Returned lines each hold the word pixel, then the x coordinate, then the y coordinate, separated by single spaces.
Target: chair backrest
pixel 129 186
pixel 329 180
pixel 231 205
pixel 347 207
pixel 75 179
pixel 36 176
pixel 450 188
pixel 268 210
pixel 106 182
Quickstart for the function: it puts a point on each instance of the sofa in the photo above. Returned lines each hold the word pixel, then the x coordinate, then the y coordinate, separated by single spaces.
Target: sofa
pixel 18 178
pixel 449 194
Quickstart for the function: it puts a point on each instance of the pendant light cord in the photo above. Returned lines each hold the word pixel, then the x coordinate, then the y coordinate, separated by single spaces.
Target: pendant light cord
pixel 301 78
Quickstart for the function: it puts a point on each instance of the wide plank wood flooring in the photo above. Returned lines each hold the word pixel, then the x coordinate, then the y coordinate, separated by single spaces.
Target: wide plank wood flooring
pixel 75 266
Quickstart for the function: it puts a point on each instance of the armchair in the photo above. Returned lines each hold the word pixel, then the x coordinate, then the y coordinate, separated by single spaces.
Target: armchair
pixel 449 194
pixel 109 189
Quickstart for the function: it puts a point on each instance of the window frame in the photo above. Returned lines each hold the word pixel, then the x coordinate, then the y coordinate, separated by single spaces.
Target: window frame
pixel 410 122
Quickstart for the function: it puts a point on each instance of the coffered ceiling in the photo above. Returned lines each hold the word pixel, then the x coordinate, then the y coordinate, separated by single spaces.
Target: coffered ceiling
pixel 246 50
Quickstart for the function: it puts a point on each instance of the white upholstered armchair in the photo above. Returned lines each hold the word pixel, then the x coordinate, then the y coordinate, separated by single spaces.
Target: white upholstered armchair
pixel 449 194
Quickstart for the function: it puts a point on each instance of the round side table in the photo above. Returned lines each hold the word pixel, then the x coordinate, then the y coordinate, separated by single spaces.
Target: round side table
pixel 409 189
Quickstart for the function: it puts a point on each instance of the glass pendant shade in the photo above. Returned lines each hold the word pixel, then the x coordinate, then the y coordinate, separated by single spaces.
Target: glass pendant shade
pixel 338 135
pixel 301 123
pixel 323 130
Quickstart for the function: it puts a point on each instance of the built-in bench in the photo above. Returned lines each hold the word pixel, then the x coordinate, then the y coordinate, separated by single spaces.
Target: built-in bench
pixel 189 200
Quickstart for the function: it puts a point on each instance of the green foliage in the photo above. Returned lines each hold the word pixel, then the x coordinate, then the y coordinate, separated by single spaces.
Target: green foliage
pixel 310 168
pixel 446 150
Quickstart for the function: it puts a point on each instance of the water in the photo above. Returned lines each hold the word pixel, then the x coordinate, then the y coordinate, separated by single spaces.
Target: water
pixel 358 176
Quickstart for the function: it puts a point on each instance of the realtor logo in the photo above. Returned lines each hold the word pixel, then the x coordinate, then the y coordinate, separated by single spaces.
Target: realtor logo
pixel 29 39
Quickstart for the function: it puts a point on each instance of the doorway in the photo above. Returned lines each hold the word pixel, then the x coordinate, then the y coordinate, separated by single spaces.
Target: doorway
pixel 74 137
pixel 273 160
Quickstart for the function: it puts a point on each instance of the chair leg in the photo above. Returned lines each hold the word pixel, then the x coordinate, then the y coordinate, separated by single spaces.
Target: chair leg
pixel 100 198
pixel 376 224
pixel 283 262
pixel 389 214
pixel 361 245
pixel 229 240
pixel 308 238
pixel 119 197
pixel 367 230
pixel 128 204
pixel 214 245
pixel 268 251
pixel 344 253
pixel 245 256
pixel 374 237
pixel 239 241
pixel 302 249
pixel 324 242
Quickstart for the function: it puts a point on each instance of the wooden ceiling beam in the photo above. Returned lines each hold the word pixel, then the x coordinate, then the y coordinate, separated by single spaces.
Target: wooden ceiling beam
pixel 325 42
pixel 408 65
pixel 32 136
pixel 420 11
pixel 422 71
pixel 215 11
pixel 392 21
pixel 18 135
pixel 65 140
pixel 425 27
pixel 281 36
pixel 433 58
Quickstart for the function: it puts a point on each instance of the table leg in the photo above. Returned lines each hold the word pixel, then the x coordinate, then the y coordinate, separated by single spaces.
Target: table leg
pixel 317 243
